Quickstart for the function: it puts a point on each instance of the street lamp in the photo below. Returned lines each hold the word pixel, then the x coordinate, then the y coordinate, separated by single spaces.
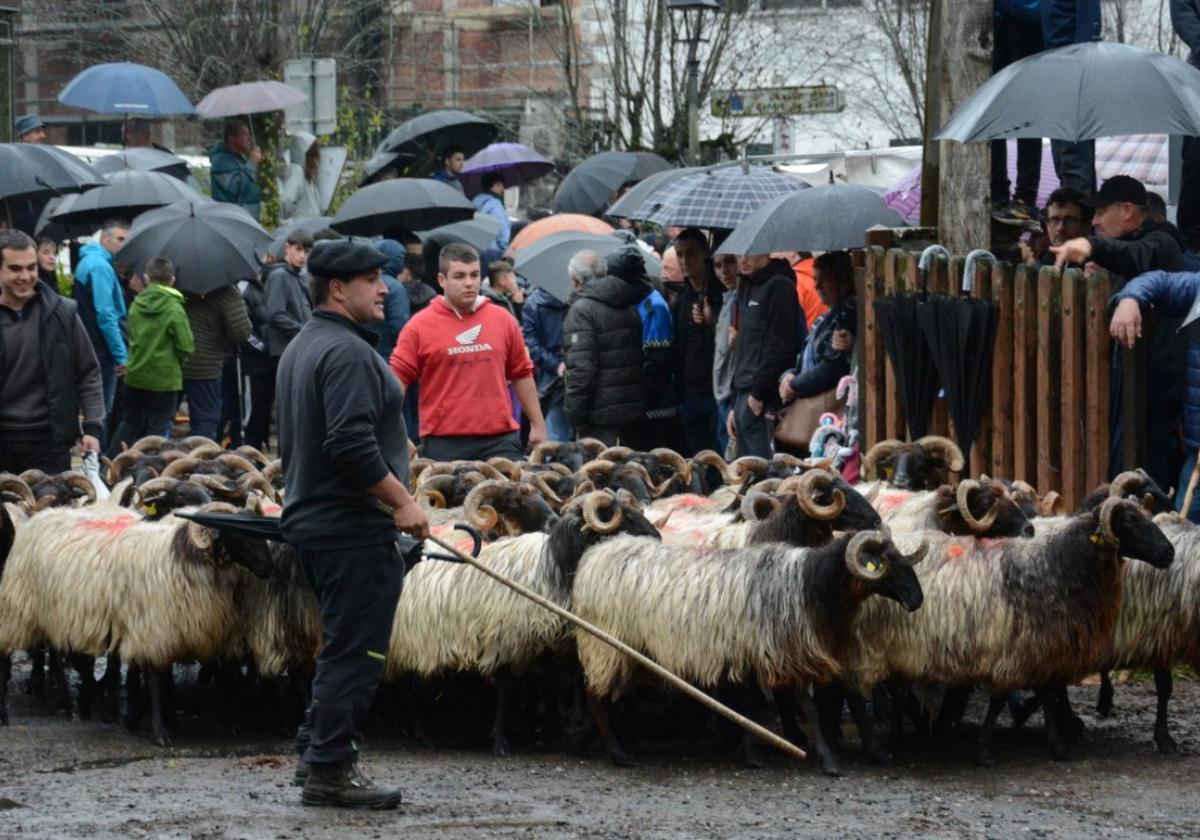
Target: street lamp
pixel 693 18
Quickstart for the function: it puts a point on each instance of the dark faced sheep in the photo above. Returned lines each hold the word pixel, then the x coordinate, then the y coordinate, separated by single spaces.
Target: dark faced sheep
pixel 923 465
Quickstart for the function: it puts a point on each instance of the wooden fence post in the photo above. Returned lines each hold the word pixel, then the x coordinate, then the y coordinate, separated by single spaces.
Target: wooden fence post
pixel 1002 374
pixel 1025 337
pixel 1073 387
pixel 872 399
pixel 1098 366
pixel 895 280
pixel 1049 381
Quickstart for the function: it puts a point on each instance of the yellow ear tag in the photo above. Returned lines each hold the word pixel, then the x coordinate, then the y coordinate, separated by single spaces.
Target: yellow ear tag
pixel 1096 539
pixel 871 567
pixel 152 509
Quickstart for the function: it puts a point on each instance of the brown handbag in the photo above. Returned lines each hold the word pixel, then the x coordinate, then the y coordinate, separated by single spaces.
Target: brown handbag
pixel 798 421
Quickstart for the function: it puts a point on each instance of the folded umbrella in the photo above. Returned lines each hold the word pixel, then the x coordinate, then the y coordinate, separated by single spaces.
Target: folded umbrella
pixel 479 232
pixel 518 164
pixel 143 159
pixel 831 217
pixel 33 170
pixel 248 98
pixel 588 187
pixel 125 88
pixel 544 263
pixel 642 196
pixel 558 223
pixel 912 360
pixel 722 198
pixel 127 195
pixel 424 137
pixel 413 203
pixel 212 244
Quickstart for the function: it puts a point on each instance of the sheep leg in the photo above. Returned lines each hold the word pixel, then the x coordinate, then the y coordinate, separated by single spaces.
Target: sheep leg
pixel 110 688
pixel 828 700
pixel 1050 712
pixel 954 705
pixel 229 687
pixel 5 673
pixel 579 726
pixel 1019 709
pixel 60 686
pixel 36 683
pixel 1163 685
pixel 786 707
pixel 133 698
pixel 752 708
pixel 600 707
pixel 871 744
pixel 156 679
pixel 983 750
pixel 1104 698
pixel 812 728
pixel 1070 723
pixel 505 688
pixel 85 667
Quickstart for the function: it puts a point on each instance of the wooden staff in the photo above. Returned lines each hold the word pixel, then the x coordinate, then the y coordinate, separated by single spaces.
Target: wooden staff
pixel 687 688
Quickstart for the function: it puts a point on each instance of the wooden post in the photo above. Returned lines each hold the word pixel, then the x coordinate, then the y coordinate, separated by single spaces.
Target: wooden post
pixel 930 154
pixel 981 450
pixel 939 284
pixel 1098 366
pixel 1073 400
pixel 1002 373
pixel 894 281
pixel 964 209
pixel 1025 331
pixel 1049 381
pixel 873 398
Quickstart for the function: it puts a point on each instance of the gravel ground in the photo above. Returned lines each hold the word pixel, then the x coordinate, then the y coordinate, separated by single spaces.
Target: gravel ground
pixel 65 778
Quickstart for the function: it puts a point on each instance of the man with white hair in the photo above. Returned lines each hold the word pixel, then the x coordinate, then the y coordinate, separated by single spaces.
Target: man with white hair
pixel 602 345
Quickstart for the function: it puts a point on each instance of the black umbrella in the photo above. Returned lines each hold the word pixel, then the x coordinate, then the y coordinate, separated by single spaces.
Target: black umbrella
pixel 212 244
pixel 413 203
pixel 144 159
pixel 424 137
pixel 961 334
pixel 32 170
pixel 589 185
pixel 127 195
pixel 312 224
pixel 380 164
pixel 479 232
pixel 912 361
pixel 832 217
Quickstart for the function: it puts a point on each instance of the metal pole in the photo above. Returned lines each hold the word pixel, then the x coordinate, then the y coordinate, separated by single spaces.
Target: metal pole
pixel 693 100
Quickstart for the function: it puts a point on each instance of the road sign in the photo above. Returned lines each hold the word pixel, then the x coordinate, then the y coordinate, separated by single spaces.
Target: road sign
pixel 781 101
pixel 316 78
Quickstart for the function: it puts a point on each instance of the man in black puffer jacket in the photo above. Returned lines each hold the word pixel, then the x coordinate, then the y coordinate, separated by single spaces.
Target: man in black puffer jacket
pixel 764 347
pixel 602 350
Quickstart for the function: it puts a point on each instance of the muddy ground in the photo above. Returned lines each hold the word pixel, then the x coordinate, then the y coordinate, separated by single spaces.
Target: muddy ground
pixel 67 778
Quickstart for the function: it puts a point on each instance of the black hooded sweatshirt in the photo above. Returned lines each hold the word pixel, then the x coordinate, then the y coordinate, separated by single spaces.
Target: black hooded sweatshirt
pixel 765 346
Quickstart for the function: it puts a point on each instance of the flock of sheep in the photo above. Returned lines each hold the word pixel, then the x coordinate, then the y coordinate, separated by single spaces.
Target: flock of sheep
pixel 761 579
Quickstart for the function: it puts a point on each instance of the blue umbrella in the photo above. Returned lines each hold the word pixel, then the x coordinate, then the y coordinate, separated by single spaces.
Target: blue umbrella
pixel 125 88
pixel 518 164
pixel 722 198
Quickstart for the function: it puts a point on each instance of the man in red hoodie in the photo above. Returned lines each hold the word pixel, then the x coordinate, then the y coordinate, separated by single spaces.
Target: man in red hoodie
pixel 464 351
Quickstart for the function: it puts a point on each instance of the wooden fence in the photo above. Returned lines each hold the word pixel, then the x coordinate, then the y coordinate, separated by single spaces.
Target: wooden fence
pixel 1048 418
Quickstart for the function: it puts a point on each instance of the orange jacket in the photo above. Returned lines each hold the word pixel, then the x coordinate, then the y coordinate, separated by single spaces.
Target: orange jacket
pixel 806 290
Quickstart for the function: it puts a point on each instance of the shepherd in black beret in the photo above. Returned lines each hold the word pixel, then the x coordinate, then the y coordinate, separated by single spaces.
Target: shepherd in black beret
pixel 344 258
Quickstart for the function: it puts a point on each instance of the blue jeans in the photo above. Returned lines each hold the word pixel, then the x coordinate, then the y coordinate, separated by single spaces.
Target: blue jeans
pixel 557 427
pixel 204 406
pixel 108 381
pixel 1185 475
pixel 412 417
pixel 723 409
pixel 697 414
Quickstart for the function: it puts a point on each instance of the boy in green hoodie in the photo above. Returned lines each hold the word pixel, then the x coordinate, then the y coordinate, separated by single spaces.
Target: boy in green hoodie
pixel 160 340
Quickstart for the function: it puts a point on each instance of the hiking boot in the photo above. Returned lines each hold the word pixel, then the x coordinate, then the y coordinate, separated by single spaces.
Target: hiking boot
pixel 344 786
pixel 303 768
pixel 1015 212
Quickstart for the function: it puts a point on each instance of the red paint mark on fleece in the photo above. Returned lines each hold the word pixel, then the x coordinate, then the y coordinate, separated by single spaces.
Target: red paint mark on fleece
pixel 890 501
pixel 118 525
pixel 956 551
pixel 691 500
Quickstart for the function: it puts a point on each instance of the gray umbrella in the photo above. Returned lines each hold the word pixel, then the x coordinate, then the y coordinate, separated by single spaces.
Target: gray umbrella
pixel 479 232
pixel 32 170
pixel 413 203
pixel 312 224
pixel 212 244
pixel 641 195
pixel 544 263
pixel 832 217
pixel 145 159
pixel 589 185
pixel 381 163
pixel 127 194
pixel 1080 92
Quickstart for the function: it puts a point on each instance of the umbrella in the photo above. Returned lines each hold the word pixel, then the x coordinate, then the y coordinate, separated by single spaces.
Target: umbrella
pixel 961 334
pixel 125 88
pixel 517 163
pixel 912 361
pixel 722 198
pixel 832 217
pixel 544 263
pixel 248 98
pixel 127 194
pixel 589 185
pixel 413 203
pixel 558 223
pixel 379 163
pixel 424 136
pixel 479 233
pixel 1081 92
pixel 312 224
pixel 32 170
pixel 644 193
pixel 143 159
pixel 212 244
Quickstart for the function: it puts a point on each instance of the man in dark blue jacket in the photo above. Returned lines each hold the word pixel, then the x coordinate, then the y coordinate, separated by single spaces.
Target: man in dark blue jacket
pixel 396 311
pixel 542 325
pixel 1185 18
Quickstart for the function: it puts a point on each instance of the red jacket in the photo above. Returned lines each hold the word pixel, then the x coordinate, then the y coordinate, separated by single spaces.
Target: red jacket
pixel 463 365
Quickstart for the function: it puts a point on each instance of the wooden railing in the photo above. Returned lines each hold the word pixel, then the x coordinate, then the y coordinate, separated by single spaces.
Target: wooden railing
pixel 1048 418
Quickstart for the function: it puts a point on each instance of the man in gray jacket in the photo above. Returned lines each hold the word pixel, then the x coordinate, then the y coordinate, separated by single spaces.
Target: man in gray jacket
pixel 289 305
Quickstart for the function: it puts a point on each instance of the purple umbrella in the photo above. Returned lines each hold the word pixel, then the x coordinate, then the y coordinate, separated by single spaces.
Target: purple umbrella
pixel 519 164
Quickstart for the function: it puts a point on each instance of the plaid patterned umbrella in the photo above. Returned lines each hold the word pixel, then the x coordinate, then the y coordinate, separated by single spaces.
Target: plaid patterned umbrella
pixel 723 197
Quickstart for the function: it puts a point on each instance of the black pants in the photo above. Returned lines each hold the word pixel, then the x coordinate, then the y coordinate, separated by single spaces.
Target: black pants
pixel 1066 22
pixel 146 413
pixel 473 447
pixel 1014 41
pixel 753 436
pixel 357 589
pixel 262 400
pixel 16 455
pixel 1189 193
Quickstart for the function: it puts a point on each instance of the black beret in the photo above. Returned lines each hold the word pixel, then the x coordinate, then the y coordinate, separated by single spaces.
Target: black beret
pixel 344 258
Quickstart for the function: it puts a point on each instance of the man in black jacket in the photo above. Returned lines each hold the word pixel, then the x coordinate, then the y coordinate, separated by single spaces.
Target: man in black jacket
pixel 764 348
pixel 602 351
pixel 48 370
pixel 694 319
pixel 344 450
pixel 1185 18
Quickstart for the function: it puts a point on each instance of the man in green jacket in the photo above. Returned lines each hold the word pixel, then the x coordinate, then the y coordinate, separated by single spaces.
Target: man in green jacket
pixel 160 340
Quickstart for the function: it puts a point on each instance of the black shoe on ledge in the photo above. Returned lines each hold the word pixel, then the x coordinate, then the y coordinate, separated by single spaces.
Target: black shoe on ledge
pixel 344 786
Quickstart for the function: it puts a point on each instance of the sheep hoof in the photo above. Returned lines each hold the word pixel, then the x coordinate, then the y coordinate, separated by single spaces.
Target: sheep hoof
pixel 1073 728
pixel 500 746
pixel 162 740
pixel 984 758
pixel 752 759
pixel 1164 743
pixel 829 767
pixel 880 756
pixel 622 758
pixel 1104 709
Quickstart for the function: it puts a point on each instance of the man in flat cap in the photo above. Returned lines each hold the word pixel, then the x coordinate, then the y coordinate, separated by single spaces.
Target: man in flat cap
pixel 31 129
pixel 344 450
pixel 23 213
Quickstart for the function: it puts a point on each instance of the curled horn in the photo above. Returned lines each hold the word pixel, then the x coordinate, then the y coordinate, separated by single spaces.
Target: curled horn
pixel 10 483
pixel 230 459
pixel 81 482
pixel 963 495
pixel 273 470
pixel 479 508
pixel 1107 511
pixel 877 453
pixel 618 454
pixel 812 484
pixel 1051 504
pixel 872 570
pixel 155 489
pixel 946 449
pixel 430 498
pixel 788 460
pixel 682 468
pixel 180 467
pixel 510 470
pixel 255 455
pixel 32 477
pixel 1125 484
pixel 561 469
pixel 655 490
pixel 627 499
pixel 738 470
pixel 412 450
pixel 1020 486
pixel 600 466
pixel 711 459
pixel 202 537
pixel 593 446
pixel 155 442
pixel 192 441
pixel 206 451
pixel 757 506
pixel 255 481
pixel 593 503
pixel 433 492
pixel 581 489
pixel 543 487
pixel 417 466
pixel 542 450
pixel 488 470
pixel 919 553
pixel 216 485
pixel 432 471
pixel 117 466
pixel 768 485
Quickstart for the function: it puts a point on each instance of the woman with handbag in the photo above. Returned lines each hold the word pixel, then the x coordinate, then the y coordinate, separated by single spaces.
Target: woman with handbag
pixel 810 389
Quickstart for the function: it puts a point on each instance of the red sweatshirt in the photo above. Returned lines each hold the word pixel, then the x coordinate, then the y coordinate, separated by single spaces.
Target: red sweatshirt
pixel 463 365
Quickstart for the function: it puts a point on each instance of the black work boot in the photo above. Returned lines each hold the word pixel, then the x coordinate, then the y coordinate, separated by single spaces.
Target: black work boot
pixel 344 786
pixel 303 768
